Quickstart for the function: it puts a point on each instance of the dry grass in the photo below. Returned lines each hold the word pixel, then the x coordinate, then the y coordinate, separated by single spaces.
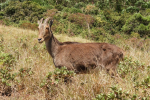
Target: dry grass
pixel 23 45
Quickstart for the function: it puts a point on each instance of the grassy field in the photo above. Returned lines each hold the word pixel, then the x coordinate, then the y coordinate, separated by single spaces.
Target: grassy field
pixel 32 63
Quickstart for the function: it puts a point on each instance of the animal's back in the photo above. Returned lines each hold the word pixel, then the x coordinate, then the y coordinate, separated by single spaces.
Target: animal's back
pixel 85 55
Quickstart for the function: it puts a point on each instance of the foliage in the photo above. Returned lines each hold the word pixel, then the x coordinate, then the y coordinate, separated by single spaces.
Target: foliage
pixel 128 66
pixel 5 80
pixel 79 5
pixel 6 76
pixel 6 59
pixel 120 22
pixel 132 9
pixel 72 10
pixel 135 35
pixel 59 7
pixel 1 15
pixel 59 76
pixel 28 25
pixel 26 10
pixel 100 34
pixel 116 94
pixel 81 19
pixel 137 23
pixel 6 63
pixel 91 9
pixel 1 43
pixel 33 76
pixel 3 4
pixel 51 13
pixel 114 16
pixel 54 79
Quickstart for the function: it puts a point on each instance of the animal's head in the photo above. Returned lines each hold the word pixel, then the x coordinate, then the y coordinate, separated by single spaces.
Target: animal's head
pixel 44 29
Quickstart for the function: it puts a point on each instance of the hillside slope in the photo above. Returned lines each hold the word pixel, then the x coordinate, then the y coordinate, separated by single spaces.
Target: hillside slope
pixel 33 63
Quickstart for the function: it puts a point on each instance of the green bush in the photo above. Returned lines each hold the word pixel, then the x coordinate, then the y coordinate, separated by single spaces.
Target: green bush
pixel 6 59
pixel 91 9
pixel 54 79
pixel 59 75
pixel 1 15
pixel 81 19
pixel 99 22
pixel 59 7
pixel 135 35
pixel 72 10
pixel 4 4
pixel 129 66
pixel 26 10
pixel 132 9
pixel 137 23
pixel 145 12
pixel 79 5
pixel 119 94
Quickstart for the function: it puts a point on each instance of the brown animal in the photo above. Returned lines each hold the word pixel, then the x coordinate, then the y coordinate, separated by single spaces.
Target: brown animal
pixel 79 56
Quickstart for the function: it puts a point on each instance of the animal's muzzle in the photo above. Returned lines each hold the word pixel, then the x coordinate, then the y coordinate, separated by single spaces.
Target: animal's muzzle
pixel 39 39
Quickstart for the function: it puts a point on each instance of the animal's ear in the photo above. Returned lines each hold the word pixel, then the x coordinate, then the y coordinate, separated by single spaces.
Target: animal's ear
pixel 51 22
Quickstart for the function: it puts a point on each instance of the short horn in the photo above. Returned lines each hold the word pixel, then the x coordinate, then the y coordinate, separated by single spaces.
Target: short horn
pixel 46 20
pixel 41 21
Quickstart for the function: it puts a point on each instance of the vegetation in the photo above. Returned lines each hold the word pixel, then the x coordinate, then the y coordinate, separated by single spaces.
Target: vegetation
pixel 27 71
pixel 81 17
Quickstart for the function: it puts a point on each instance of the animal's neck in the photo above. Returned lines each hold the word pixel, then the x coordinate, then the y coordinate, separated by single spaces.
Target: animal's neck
pixel 52 45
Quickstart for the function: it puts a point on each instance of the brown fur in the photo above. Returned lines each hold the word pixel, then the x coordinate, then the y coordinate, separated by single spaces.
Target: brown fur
pixel 79 56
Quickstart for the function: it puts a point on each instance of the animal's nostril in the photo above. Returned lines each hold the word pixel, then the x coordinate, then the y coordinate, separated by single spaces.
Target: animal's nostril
pixel 40 39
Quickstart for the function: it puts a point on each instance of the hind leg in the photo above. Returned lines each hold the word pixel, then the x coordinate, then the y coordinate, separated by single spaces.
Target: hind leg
pixel 112 70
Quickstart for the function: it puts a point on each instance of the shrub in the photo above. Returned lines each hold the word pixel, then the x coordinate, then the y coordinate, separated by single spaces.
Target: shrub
pixel 5 80
pixel 72 10
pixel 51 84
pixel 26 10
pixel 50 13
pixel 99 22
pixel 119 94
pixel 81 19
pixel 28 25
pixel 1 15
pixel 79 5
pixel 6 59
pixel 99 34
pixel 107 14
pixel 91 9
pixel 137 23
pixel 59 7
pixel 101 4
pixel 132 9
pixel 129 66
pixel 4 4
pixel 145 12
pixel 135 35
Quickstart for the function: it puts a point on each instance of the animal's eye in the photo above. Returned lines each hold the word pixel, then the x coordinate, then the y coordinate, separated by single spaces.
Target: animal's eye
pixel 47 28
